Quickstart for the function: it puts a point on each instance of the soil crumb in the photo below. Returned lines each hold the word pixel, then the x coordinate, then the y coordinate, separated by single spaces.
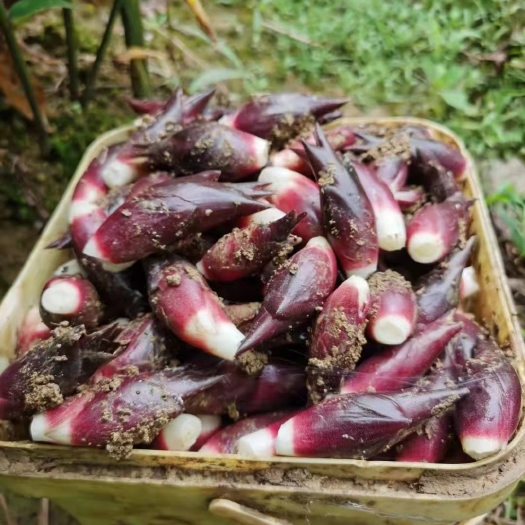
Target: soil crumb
pixel 252 361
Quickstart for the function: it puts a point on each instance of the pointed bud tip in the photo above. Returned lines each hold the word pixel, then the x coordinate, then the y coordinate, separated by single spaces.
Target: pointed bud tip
pixel 263 329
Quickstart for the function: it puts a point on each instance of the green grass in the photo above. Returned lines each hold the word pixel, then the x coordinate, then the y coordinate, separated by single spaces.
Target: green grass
pixel 510 206
pixel 432 59
pixel 425 58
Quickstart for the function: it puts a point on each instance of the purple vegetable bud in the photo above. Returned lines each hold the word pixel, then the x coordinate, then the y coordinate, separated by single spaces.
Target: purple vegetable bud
pixel 396 367
pixel 164 214
pixel 246 251
pixel 435 229
pixel 208 146
pixel 281 116
pixel 130 411
pixel 361 425
pixel 294 292
pixel 182 300
pixel 51 370
pixel 144 347
pixel 348 218
pixel 73 299
pixel 488 417
pixel 438 291
pixel 226 441
pixel 338 335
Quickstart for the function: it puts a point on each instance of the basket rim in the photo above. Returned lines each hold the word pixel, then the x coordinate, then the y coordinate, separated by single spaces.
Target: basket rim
pixel 144 457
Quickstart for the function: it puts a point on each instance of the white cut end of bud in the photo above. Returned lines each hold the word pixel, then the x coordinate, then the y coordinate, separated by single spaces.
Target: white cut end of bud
pixel 210 449
pixel 265 216
pixel 62 298
pixel 71 267
pixel 391 230
pixel 285 159
pixel 426 247
pixel 463 175
pixel 318 242
pixel 39 428
pixel 32 318
pixel 259 444
pixel 391 329
pixel 215 336
pixel 181 433
pixel 365 271
pixel 4 363
pixel 92 249
pixel 81 208
pixel 209 423
pixel 228 120
pixel 261 151
pixel 409 197
pixel 117 173
pixel 482 447
pixel 41 431
pixel 116 268
pixel 201 268
pixel 469 284
pixel 279 178
pixel 363 290
pixel 294 240
pixel 284 444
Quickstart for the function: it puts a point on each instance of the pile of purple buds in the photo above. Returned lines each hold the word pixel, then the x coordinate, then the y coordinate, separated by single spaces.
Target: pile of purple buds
pixel 245 282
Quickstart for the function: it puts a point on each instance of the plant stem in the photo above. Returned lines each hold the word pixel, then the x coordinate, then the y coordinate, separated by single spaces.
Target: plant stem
pixel 134 35
pixel 168 14
pixel 72 52
pixel 101 52
pixel 18 60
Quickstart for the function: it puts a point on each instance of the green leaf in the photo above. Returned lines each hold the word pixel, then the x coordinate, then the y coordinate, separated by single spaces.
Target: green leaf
pixel 214 76
pixel 224 49
pixel 27 8
pixel 458 100
pixel 515 231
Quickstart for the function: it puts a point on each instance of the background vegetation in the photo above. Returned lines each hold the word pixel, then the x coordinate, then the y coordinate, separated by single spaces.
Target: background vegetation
pixel 459 62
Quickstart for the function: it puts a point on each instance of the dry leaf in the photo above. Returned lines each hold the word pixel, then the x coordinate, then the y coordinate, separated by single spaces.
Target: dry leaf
pixel 161 66
pixel 202 17
pixel 12 89
pixel 136 53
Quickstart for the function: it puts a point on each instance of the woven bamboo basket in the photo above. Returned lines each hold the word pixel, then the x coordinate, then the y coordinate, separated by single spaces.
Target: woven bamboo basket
pixel 155 488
